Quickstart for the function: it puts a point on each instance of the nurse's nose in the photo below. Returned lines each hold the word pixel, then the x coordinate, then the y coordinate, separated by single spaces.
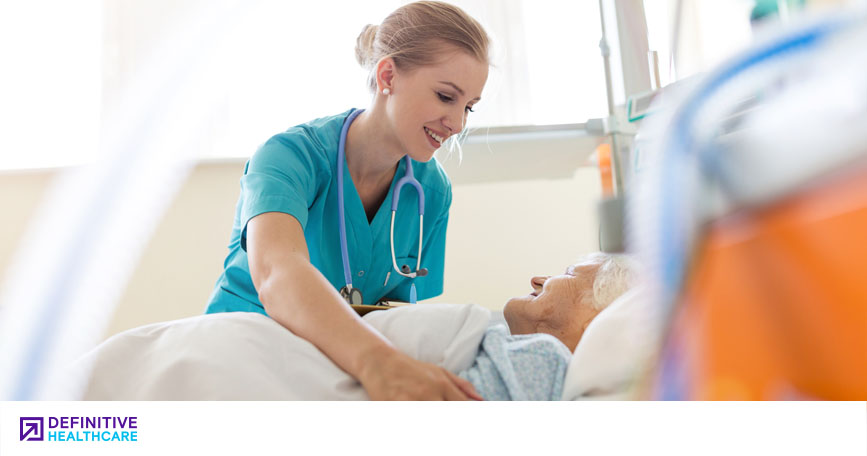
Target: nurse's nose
pixel 454 123
pixel 538 281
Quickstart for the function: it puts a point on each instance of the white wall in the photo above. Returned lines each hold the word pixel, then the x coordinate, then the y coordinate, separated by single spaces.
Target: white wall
pixel 513 215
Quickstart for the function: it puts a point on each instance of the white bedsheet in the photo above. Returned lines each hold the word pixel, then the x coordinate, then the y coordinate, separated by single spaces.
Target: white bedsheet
pixel 247 356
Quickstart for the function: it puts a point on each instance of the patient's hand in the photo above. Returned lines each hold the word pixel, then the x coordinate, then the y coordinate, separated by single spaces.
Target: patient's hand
pixel 396 376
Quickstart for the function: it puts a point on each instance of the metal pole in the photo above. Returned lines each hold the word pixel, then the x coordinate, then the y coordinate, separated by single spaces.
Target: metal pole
pixel 606 56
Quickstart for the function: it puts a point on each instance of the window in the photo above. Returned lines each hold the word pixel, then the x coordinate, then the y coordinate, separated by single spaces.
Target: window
pixel 710 31
pixel 276 66
pixel 50 82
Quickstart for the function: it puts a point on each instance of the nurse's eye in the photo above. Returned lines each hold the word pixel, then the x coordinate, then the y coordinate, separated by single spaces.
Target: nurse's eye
pixel 445 98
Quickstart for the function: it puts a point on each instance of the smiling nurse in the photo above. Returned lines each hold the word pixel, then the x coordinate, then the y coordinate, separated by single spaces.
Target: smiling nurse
pixel 428 64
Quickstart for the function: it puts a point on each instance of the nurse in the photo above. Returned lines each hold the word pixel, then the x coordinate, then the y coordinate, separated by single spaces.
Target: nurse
pixel 428 64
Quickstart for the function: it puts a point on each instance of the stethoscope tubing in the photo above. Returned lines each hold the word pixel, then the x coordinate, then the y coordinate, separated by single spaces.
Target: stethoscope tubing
pixel 408 178
pixel 417 272
pixel 341 162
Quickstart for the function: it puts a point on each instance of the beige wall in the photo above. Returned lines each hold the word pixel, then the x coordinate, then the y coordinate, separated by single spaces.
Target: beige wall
pixel 20 193
pixel 500 234
pixel 535 219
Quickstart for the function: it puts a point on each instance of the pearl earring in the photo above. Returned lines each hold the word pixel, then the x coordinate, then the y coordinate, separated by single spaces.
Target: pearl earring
pixel 386 91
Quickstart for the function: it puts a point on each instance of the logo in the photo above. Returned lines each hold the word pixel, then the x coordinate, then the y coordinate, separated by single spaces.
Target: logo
pixel 79 429
pixel 31 428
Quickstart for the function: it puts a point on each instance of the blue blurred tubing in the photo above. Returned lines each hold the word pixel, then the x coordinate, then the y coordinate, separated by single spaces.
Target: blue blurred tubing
pixel 673 240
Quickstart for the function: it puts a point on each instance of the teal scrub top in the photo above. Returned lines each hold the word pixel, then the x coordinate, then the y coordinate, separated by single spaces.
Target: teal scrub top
pixel 295 173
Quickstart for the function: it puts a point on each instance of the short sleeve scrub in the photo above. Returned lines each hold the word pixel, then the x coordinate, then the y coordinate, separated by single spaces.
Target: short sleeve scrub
pixel 295 173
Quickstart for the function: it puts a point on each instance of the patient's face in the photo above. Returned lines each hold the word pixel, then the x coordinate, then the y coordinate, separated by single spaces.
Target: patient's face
pixel 560 305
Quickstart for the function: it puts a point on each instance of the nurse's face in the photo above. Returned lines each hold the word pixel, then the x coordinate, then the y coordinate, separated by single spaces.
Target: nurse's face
pixel 559 305
pixel 431 103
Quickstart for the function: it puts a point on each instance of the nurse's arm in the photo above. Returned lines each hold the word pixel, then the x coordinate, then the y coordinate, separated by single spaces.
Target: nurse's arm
pixel 299 297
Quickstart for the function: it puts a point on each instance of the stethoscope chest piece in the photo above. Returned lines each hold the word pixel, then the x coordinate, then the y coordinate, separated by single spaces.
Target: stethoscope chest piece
pixel 352 295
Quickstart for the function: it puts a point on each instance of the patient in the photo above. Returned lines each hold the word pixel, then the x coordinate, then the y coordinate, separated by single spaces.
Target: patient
pixel 528 361
pixel 248 356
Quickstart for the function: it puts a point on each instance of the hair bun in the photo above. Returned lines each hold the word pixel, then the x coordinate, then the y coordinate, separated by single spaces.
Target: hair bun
pixel 364 45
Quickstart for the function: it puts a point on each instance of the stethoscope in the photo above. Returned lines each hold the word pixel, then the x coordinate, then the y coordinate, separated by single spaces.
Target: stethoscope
pixel 351 294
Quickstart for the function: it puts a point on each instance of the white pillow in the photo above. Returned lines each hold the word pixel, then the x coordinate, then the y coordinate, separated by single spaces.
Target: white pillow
pixel 615 349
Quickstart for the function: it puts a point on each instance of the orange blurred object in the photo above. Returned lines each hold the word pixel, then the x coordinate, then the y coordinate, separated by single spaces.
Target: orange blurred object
pixel 603 154
pixel 777 306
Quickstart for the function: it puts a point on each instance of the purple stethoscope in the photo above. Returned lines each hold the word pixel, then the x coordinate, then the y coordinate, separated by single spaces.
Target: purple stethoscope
pixel 353 295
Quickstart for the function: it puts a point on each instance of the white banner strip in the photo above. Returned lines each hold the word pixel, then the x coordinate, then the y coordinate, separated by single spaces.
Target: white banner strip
pixel 261 428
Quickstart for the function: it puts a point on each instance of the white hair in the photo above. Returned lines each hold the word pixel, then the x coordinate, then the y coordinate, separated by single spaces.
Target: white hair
pixel 617 273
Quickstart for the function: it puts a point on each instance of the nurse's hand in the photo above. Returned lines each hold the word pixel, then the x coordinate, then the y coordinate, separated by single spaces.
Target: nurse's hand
pixel 395 376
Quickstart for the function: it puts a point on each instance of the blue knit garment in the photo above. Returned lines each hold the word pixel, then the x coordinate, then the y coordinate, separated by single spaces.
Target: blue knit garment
pixel 529 367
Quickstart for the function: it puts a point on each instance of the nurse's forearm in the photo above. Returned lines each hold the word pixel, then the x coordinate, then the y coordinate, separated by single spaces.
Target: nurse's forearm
pixel 299 297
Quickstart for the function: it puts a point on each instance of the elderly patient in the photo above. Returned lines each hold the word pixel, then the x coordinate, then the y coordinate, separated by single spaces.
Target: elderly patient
pixel 528 361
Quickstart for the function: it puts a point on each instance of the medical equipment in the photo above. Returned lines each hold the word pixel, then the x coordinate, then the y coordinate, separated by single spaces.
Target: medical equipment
pixel 353 295
pixel 749 221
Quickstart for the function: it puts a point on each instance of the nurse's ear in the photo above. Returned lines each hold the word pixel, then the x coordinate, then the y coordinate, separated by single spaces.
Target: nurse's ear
pixel 385 72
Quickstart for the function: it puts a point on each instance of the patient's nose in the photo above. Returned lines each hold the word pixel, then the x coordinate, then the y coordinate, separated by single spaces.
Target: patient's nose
pixel 538 281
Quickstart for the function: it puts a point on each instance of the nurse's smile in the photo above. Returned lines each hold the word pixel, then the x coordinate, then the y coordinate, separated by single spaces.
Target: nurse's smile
pixel 434 139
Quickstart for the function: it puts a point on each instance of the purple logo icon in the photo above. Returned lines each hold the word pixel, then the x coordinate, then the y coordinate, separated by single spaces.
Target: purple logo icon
pixel 31 428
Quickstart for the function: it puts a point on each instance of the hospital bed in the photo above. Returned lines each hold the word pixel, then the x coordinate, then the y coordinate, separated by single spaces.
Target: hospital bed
pixel 248 356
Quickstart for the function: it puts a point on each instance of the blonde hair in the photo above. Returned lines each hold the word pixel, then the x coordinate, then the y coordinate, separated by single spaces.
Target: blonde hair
pixel 411 34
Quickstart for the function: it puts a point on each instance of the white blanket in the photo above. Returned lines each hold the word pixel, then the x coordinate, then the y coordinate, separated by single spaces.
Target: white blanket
pixel 247 356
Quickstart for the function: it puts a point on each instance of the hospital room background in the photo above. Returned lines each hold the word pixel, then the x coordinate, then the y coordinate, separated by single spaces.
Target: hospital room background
pixel 525 190
pixel 216 78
